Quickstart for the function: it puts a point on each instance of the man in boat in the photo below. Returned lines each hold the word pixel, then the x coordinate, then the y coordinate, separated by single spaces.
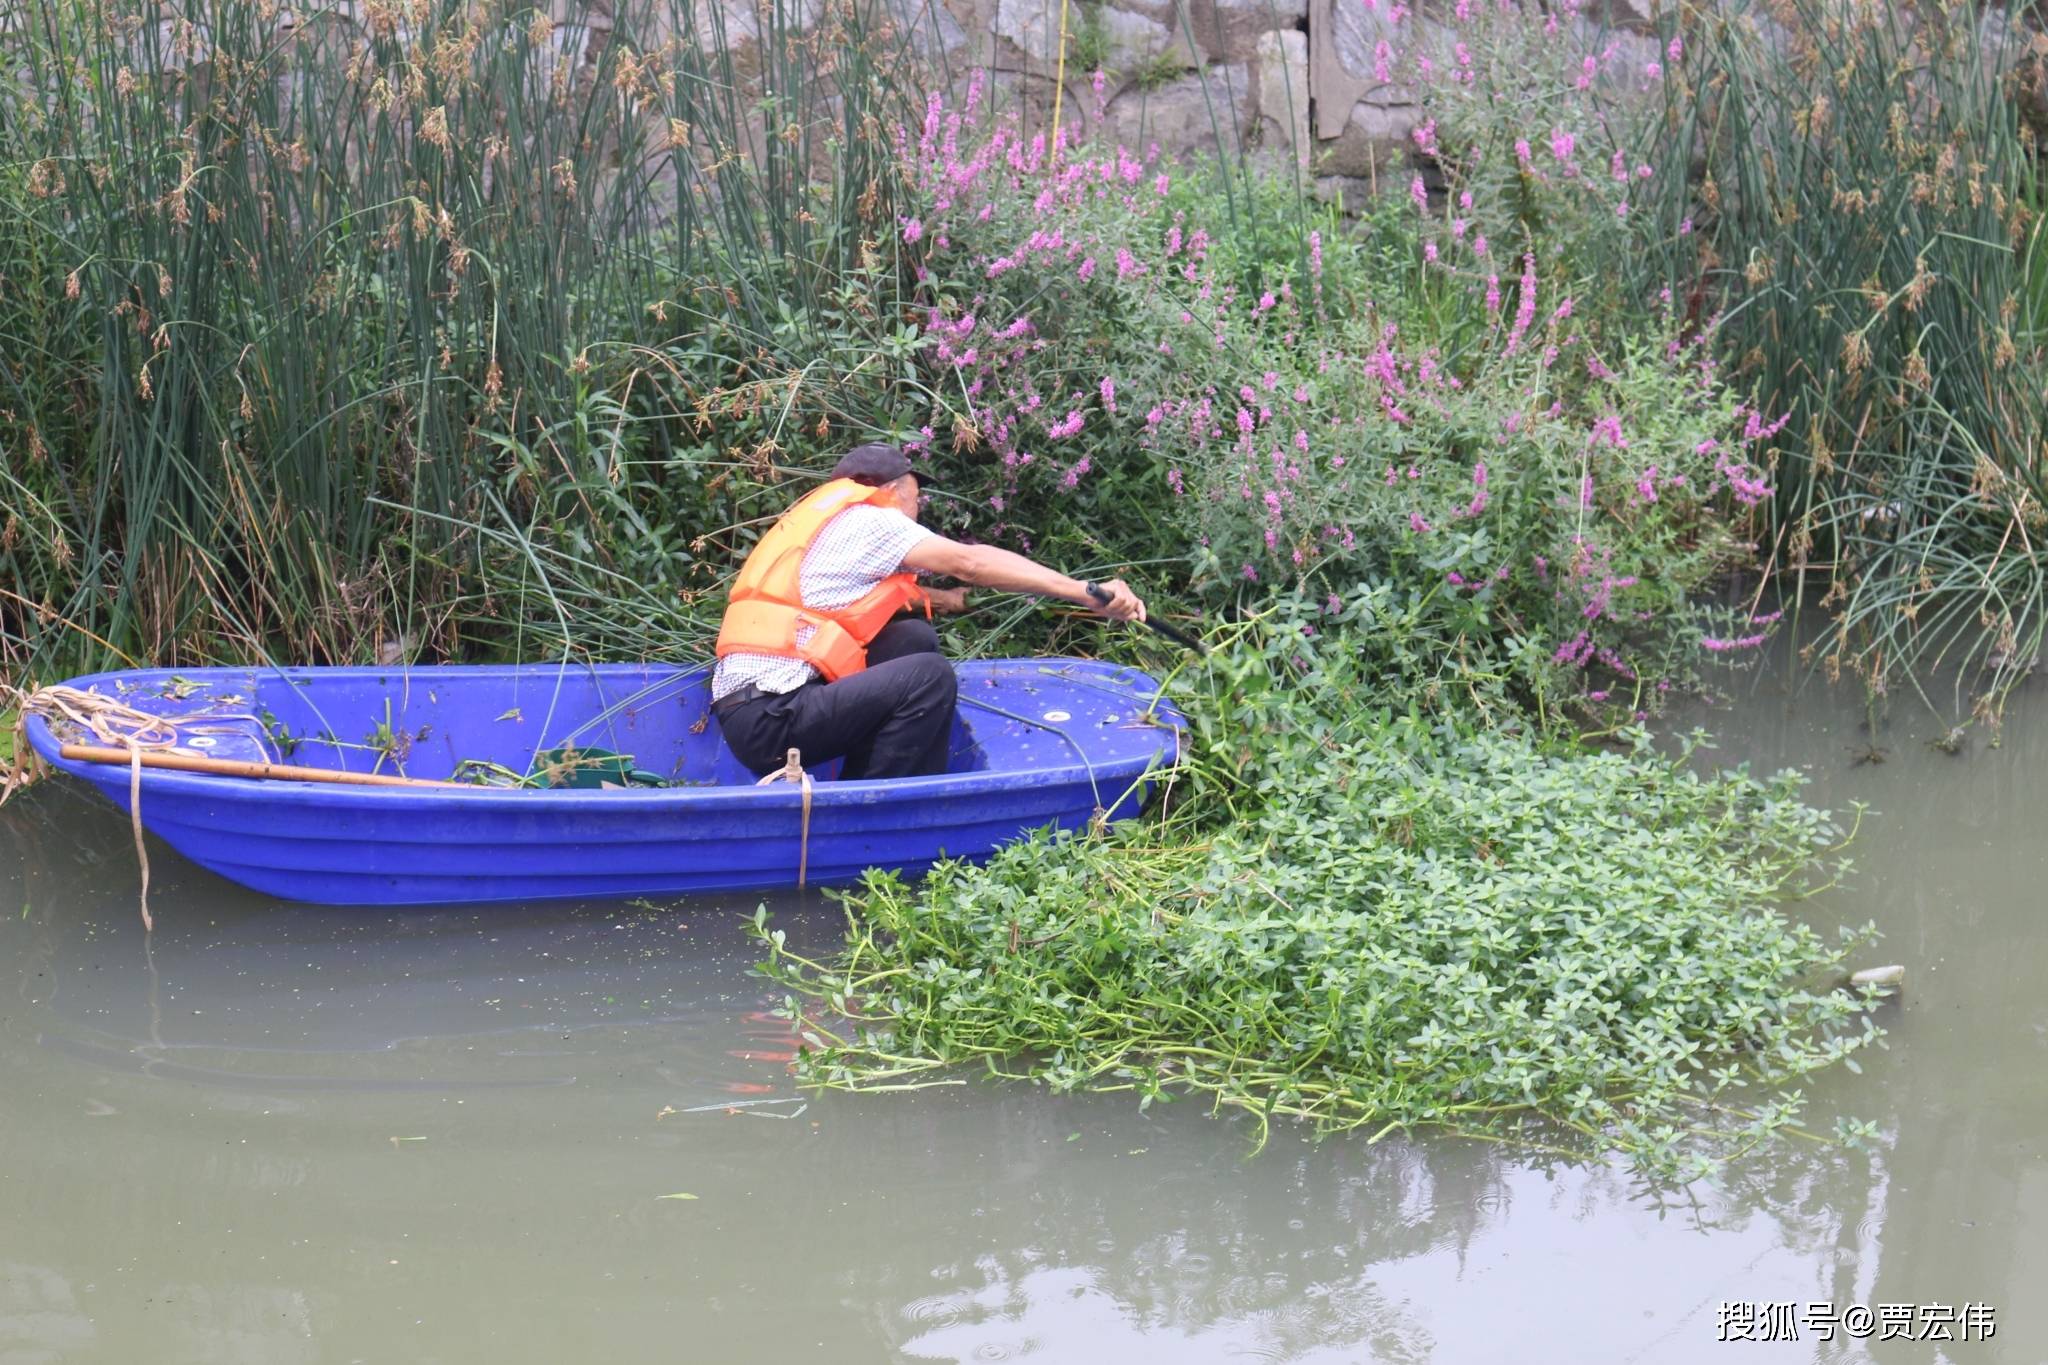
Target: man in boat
pixel 827 644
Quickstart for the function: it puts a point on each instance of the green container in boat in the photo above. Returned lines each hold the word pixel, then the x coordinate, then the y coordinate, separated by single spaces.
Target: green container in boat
pixel 589 768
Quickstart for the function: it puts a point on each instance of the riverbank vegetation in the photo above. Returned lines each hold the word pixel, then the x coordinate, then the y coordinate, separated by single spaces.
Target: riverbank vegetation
pixel 447 330
pixel 1375 913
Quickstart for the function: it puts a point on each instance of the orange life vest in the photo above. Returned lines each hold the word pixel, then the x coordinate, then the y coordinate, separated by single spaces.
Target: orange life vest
pixel 767 602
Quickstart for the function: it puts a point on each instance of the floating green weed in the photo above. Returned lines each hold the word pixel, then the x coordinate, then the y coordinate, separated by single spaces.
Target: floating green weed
pixel 1411 921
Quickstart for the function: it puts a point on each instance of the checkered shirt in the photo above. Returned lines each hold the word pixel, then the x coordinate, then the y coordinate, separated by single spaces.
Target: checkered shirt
pixel 853 551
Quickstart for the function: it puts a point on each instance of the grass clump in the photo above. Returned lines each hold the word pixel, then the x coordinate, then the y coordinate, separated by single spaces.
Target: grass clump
pixel 1376 915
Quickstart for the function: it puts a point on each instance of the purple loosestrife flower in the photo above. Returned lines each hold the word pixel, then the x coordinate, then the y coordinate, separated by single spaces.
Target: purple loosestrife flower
pixel 912 229
pixel 1574 653
pixel 1066 426
pixel 1525 308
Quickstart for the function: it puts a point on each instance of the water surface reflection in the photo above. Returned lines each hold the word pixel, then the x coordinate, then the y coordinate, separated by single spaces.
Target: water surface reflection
pixel 280 1134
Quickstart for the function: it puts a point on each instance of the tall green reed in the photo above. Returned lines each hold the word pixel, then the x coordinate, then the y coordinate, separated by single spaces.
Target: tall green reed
pixel 1854 220
pixel 331 325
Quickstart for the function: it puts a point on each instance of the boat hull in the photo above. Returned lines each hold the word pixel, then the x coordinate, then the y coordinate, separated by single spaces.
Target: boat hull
pixel 346 845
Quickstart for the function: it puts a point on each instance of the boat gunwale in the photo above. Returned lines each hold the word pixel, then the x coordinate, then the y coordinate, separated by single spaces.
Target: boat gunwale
pixel 163 782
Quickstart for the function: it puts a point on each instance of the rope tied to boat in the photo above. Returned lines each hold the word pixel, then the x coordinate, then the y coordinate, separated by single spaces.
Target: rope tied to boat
pixel 792 770
pixel 116 725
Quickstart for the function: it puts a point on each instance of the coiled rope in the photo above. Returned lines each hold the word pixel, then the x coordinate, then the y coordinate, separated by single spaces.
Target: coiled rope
pixel 792 770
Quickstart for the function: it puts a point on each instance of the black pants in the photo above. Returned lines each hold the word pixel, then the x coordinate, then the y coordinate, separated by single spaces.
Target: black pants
pixel 894 718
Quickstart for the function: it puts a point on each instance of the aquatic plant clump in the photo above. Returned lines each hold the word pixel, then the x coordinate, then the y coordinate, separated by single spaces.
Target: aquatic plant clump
pixel 1411 921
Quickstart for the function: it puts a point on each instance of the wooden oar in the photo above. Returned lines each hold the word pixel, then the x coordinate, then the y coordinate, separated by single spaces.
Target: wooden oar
pixel 275 772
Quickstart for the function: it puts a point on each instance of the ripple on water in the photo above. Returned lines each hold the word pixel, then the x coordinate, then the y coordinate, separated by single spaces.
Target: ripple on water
pixel 935 1310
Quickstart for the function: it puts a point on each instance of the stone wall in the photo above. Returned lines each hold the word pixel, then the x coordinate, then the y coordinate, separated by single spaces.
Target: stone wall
pixel 1289 82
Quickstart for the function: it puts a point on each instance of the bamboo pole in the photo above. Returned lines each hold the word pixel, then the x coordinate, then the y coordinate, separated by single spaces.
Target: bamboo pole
pixel 279 772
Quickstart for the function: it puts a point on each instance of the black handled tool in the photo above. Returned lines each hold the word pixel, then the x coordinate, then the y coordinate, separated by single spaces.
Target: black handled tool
pixel 1100 594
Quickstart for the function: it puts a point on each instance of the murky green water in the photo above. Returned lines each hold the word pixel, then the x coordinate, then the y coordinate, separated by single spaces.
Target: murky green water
pixel 282 1134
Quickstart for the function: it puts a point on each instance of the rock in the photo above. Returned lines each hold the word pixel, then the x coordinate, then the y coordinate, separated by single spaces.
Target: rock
pixel 1886 980
pixel 1349 35
pixel 1034 26
pixel 932 30
pixel 1374 142
pixel 1637 16
pixel 1228 30
pixel 1185 114
pixel 1283 92
pixel 1348 192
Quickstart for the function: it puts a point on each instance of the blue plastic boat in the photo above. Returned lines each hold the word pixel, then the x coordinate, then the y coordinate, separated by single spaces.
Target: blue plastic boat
pixel 1037 742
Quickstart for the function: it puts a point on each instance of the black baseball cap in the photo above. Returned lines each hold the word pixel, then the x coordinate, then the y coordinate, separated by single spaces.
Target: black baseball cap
pixel 877 463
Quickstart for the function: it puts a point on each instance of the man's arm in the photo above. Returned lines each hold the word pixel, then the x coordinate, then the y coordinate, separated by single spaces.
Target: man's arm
pixel 985 566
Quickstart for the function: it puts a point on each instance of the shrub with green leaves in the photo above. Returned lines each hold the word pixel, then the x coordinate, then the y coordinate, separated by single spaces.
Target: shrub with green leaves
pixel 1842 202
pixel 1372 913
pixel 1112 356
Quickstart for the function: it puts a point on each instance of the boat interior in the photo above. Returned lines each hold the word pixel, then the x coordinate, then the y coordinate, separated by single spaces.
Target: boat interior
pixel 538 723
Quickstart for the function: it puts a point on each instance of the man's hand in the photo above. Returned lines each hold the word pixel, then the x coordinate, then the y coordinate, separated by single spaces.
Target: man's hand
pixel 1122 604
pixel 947 601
